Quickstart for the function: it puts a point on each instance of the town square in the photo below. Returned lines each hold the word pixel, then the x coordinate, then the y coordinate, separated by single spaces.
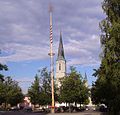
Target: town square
pixel 59 57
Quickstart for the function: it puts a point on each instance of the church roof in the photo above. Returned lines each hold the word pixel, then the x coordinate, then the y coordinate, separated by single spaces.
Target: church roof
pixel 61 49
pixel 85 77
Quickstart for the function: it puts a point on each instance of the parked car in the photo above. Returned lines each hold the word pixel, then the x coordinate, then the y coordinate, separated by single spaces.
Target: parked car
pixel 60 109
pixel 15 108
pixel 27 109
pixel 103 108
pixel 87 108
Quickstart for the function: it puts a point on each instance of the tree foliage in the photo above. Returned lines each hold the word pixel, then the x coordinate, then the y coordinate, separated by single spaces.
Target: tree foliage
pixel 73 88
pixel 10 92
pixel 2 67
pixel 107 87
pixel 40 91
pixel 45 87
pixel 34 91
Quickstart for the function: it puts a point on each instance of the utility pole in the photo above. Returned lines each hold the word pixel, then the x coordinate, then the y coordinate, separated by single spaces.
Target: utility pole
pixel 51 54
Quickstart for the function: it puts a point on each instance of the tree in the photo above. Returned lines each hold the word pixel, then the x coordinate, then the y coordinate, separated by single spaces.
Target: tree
pixel 107 87
pixel 34 91
pixel 2 86
pixel 45 81
pixel 40 91
pixel 2 67
pixel 13 94
pixel 2 92
pixel 73 88
pixel 45 96
pixel 10 92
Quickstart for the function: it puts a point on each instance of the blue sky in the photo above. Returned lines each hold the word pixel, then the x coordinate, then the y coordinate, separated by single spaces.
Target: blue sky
pixel 24 35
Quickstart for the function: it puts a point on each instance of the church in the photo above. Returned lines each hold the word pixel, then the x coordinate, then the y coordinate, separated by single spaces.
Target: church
pixel 61 68
pixel 60 62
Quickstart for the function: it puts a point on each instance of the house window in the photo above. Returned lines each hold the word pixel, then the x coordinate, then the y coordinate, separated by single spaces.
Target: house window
pixel 59 66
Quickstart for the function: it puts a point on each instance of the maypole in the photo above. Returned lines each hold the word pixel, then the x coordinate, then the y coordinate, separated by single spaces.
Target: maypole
pixel 51 54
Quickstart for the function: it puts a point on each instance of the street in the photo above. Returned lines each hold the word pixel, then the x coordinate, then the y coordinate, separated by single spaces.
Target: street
pixel 31 113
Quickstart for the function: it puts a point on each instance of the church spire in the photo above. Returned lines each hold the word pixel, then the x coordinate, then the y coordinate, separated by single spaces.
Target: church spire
pixel 85 79
pixel 85 76
pixel 61 49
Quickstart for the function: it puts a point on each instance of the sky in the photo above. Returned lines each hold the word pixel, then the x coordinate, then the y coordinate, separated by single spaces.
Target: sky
pixel 24 36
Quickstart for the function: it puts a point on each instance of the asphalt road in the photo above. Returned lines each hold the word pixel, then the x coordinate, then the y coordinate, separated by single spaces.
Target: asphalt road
pixel 19 113
pixel 31 113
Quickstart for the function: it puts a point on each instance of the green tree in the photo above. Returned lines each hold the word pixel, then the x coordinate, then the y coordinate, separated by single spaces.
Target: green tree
pixel 40 91
pixel 2 86
pixel 45 81
pixel 2 67
pixel 34 91
pixel 2 92
pixel 45 95
pixel 10 92
pixel 13 94
pixel 107 87
pixel 73 88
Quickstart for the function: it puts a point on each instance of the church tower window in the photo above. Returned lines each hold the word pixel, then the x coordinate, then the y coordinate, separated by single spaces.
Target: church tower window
pixel 59 66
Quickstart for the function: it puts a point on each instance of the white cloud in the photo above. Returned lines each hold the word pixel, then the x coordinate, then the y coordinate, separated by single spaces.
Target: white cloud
pixel 83 52
pixel 24 30
pixel 88 61
pixel 25 52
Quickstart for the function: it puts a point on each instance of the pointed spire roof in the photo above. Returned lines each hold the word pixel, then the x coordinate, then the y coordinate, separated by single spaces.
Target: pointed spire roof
pixel 61 49
pixel 85 77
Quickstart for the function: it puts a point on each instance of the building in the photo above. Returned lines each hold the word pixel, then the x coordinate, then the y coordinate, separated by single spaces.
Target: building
pixel 61 69
pixel 60 66
pixel 86 84
pixel 60 62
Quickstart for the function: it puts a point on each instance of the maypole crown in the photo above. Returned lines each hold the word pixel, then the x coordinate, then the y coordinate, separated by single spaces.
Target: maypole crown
pixel 50 7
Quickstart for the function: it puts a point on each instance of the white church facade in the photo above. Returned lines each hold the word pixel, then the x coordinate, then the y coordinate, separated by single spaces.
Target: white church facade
pixel 60 62
pixel 61 69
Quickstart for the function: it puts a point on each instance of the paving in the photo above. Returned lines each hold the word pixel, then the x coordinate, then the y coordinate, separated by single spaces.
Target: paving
pixel 79 113
pixel 31 113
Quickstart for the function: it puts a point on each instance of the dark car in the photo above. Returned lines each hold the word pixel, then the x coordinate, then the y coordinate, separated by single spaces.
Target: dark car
pixel 60 109
pixel 27 109
pixel 103 108
pixel 15 108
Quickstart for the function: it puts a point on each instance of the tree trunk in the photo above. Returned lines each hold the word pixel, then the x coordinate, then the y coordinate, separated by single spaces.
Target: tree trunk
pixel 69 108
pixel 75 104
pixel 80 105
pixel 5 105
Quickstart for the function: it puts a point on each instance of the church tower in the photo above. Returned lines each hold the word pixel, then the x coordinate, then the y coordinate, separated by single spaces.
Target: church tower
pixel 86 84
pixel 86 80
pixel 60 62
